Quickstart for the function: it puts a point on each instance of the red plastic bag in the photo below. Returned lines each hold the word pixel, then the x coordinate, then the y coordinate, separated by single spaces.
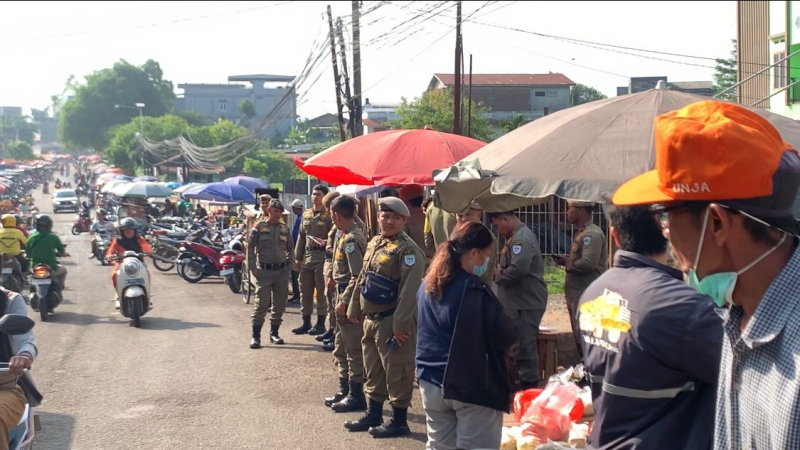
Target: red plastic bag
pixel 523 400
pixel 549 414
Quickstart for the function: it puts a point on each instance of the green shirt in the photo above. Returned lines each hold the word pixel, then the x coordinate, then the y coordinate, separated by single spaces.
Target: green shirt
pixel 42 248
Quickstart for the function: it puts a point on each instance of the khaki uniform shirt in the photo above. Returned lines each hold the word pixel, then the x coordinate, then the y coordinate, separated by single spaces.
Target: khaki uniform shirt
pixel 589 259
pixel 520 280
pixel 415 229
pixel 272 243
pixel 316 225
pixel 438 226
pixel 348 259
pixel 399 259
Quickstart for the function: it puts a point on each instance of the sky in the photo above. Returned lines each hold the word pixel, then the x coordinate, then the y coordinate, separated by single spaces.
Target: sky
pixel 43 43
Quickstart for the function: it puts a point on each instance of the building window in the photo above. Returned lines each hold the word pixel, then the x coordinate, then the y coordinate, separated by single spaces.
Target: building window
pixel 223 106
pixel 552 93
pixel 539 94
pixel 779 70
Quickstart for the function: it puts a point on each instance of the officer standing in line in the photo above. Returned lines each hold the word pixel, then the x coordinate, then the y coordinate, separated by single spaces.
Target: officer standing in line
pixel 385 299
pixel 522 290
pixel 297 210
pixel 348 259
pixel 586 262
pixel 270 258
pixel 264 201
pixel 438 225
pixel 310 257
pixel 330 288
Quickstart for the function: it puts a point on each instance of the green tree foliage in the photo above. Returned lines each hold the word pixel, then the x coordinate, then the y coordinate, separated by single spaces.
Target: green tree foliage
pixel 435 110
pixel 193 118
pixel 87 118
pixel 39 114
pixel 511 125
pixel 18 128
pixel 269 165
pixel 580 94
pixel 248 109
pixel 124 149
pixel 725 74
pixel 20 150
pixel 296 136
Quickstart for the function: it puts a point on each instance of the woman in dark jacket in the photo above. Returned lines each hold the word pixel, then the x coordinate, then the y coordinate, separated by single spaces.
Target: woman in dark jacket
pixel 462 339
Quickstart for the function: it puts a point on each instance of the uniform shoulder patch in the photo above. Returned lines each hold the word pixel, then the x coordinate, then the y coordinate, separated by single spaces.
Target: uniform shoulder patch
pixel 350 247
pixel 516 247
pixel 410 259
pixel 587 240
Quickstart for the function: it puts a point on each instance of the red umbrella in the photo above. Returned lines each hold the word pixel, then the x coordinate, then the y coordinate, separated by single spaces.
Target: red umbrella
pixel 389 157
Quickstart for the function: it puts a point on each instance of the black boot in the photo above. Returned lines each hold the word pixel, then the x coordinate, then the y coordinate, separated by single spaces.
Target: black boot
pixel 354 401
pixel 319 328
pixel 327 346
pixel 397 426
pixel 256 341
pixel 344 389
pixel 325 337
pixel 372 418
pixel 273 335
pixel 303 329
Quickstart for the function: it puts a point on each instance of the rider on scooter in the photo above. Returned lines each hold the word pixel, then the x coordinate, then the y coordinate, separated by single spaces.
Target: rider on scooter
pixel 12 240
pixel 129 240
pixel 43 247
pixel 101 225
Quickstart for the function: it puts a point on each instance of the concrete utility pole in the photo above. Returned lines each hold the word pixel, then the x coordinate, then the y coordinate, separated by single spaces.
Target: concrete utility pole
pixel 343 54
pixel 342 135
pixel 457 86
pixel 358 129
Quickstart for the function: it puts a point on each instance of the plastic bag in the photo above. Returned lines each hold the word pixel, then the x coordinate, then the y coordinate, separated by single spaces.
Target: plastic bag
pixel 548 416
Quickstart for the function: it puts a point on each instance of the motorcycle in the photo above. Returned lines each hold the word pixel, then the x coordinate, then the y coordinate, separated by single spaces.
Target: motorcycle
pixel 45 293
pixel 198 260
pixel 21 436
pixel 133 287
pixel 82 224
pixel 232 261
pixel 46 189
pixel 103 239
pixel 11 277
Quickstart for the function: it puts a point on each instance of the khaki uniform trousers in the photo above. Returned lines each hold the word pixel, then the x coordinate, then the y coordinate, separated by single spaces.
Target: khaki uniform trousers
pixel 272 291
pixel 389 374
pixel 12 405
pixel 347 351
pixel 312 277
pixel 527 357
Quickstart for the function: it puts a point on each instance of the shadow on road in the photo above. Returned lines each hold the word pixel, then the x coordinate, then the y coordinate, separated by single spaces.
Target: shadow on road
pixel 71 318
pixel 294 346
pixel 166 324
pixel 56 433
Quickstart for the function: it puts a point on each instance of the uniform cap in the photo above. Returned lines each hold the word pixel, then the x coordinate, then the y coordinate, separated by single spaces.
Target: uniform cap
pixel 578 204
pixel 275 203
pixel 394 204
pixel 708 151
pixel 410 191
pixel 264 197
pixel 297 203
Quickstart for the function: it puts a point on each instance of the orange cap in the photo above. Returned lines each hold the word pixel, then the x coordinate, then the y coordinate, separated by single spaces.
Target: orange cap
pixel 708 151
pixel 411 191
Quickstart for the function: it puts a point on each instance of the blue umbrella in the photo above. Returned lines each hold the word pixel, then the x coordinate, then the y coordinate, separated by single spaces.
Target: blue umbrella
pixel 220 192
pixel 248 182
pixel 173 185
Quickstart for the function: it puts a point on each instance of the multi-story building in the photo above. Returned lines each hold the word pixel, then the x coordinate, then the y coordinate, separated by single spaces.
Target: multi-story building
pixel 508 95
pixel 641 84
pixel 276 106
pixel 376 116
pixel 768 49
pixel 10 111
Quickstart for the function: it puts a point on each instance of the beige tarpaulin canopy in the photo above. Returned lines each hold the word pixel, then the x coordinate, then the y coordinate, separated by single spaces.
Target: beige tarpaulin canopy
pixel 580 153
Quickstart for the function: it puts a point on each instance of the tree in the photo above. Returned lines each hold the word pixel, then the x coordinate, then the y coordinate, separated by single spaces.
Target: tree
pixel 39 114
pixel 20 150
pixel 264 163
pixel 124 149
pixel 511 125
pixel 435 110
pixel 18 128
pixel 296 136
pixel 725 74
pixel 580 94
pixel 194 119
pixel 87 118
pixel 248 109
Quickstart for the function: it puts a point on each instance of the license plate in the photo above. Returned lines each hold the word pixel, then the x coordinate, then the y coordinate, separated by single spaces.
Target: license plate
pixel 7 270
pixel 226 272
pixel 131 281
pixel 41 281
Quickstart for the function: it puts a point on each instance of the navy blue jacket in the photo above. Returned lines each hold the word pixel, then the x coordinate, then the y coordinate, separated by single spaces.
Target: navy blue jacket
pixel 652 347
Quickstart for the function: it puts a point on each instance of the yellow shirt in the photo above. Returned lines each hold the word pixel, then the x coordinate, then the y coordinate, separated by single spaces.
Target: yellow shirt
pixel 10 240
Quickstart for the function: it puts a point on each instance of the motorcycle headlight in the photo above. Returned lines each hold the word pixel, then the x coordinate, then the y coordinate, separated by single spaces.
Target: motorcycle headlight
pixel 131 268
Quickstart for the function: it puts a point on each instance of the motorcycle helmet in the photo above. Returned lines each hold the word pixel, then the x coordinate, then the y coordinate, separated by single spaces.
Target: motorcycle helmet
pixel 9 221
pixel 18 220
pixel 44 223
pixel 128 223
pixel 102 212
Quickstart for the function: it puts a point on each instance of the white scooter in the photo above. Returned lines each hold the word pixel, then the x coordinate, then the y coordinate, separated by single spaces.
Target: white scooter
pixel 133 287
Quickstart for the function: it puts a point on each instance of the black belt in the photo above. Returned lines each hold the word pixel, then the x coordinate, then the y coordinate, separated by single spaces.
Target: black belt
pixel 316 249
pixel 380 315
pixel 266 266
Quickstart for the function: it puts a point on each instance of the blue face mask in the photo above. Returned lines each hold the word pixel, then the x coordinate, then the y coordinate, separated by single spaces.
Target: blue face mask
pixel 720 286
pixel 480 270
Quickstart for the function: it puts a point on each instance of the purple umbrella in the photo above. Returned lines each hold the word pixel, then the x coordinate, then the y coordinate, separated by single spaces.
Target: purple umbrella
pixel 220 192
pixel 248 182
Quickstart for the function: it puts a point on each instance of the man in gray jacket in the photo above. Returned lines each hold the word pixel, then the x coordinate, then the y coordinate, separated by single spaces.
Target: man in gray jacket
pixel 23 352
pixel 521 289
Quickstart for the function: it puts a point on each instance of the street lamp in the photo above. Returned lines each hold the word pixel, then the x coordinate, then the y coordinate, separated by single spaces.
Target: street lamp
pixel 138 106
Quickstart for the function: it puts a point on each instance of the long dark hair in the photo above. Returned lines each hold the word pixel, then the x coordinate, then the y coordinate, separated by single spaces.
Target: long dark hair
pixel 447 261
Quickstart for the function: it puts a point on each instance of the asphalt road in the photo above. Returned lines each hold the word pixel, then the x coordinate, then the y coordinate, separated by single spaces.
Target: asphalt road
pixel 187 378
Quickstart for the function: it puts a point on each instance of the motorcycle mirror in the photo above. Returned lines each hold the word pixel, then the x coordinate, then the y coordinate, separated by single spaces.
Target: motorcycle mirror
pixel 13 324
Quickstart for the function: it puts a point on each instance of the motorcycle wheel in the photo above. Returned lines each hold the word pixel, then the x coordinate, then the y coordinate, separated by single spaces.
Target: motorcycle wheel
pixel 136 317
pixel 234 282
pixel 160 264
pixel 76 230
pixel 193 272
pixel 246 288
pixel 43 307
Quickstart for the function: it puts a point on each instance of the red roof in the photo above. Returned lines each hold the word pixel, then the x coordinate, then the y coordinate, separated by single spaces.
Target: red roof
pixel 372 124
pixel 509 79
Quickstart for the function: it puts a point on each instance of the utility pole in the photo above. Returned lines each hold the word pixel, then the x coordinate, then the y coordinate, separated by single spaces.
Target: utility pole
pixel 457 87
pixel 342 135
pixel 469 102
pixel 358 129
pixel 348 99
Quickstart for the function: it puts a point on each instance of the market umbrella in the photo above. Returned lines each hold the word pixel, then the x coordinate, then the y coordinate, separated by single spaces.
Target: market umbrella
pixel 173 185
pixel 248 182
pixel 114 170
pixel 146 178
pixel 580 153
pixel 144 189
pixel 389 157
pixel 220 192
pixel 359 191
pixel 181 189
pixel 108 188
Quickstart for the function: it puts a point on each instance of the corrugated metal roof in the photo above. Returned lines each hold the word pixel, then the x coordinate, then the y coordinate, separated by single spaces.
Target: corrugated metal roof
pixel 510 79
